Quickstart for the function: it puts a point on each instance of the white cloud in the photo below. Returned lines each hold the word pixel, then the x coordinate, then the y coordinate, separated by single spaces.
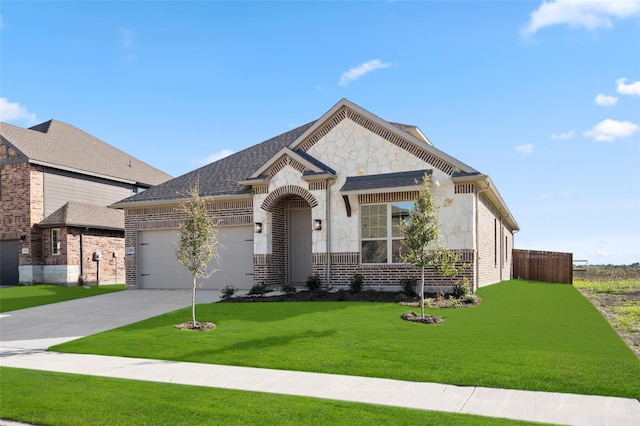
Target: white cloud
pixel 587 14
pixel 562 136
pixel 127 38
pixel 13 111
pixel 525 149
pixel 604 100
pixel 628 89
pixel 357 72
pixel 610 130
pixel 213 157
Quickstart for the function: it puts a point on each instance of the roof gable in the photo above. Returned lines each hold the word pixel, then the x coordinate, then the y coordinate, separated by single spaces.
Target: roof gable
pixel 59 145
pixel 401 135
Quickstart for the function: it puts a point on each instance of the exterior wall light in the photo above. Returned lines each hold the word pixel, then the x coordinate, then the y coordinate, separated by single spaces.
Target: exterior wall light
pixel 257 227
pixel 317 225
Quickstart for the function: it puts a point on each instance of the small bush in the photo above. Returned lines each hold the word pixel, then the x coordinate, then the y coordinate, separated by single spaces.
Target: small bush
pixel 409 286
pixel 461 289
pixel 313 282
pixel 258 290
pixel 357 282
pixel 228 292
pixel 289 289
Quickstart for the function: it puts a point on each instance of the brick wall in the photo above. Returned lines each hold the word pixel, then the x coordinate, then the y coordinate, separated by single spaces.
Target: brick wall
pixel 495 241
pixel 21 207
pixel 345 265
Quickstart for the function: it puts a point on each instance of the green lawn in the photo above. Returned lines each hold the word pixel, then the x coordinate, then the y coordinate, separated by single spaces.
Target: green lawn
pixel 525 335
pixel 42 397
pixel 21 297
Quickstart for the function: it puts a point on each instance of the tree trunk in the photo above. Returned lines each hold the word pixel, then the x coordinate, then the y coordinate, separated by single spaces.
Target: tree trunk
pixel 193 302
pixel 422 294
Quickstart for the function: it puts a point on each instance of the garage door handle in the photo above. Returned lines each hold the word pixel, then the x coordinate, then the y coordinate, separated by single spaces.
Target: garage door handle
pixel 144 275
pixel 144 244
pixel 249 240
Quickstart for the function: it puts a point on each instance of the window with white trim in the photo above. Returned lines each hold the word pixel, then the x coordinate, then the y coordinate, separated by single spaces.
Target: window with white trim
pixel 55 241
pixel 380 235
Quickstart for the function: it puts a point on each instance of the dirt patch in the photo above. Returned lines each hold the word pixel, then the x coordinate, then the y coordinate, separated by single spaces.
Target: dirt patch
pixel 467 302
pixel 427 319
pixel 199 326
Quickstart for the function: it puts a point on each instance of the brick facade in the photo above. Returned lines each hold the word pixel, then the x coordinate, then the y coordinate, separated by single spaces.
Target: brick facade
pixel 22 208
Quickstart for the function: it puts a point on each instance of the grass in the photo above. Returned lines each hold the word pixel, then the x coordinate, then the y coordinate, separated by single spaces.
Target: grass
pixel 525 335
pixel 21 297
pixel 619 302
pixel 69 399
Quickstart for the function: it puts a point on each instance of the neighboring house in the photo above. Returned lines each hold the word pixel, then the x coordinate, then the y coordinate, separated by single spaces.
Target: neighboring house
pixel 56 183
pixel 338 185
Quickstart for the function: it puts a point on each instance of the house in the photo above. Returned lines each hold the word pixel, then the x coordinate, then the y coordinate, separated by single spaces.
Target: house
pixel 323 199
pixel 56 182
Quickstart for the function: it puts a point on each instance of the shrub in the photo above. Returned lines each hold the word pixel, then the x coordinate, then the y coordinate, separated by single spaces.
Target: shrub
pixel 409 286
pixel 313 282
pixel 228 292
pixel 461 289
pixel 357 282
pixel 289 289
pixel 258 290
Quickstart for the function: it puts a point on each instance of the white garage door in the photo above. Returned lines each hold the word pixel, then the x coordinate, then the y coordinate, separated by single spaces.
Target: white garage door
pixel 158 267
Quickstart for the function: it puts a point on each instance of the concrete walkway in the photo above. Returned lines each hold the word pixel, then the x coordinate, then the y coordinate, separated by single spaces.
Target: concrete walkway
pixel 25 336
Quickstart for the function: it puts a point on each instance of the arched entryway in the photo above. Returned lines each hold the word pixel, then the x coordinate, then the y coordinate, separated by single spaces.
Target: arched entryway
pixel 291 235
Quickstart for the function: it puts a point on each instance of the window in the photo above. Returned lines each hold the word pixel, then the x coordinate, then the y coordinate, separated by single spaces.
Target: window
pixel 55 241
pixel 381 237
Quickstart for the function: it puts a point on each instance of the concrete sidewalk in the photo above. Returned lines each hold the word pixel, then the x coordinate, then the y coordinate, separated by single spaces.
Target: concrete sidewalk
pixel 26 349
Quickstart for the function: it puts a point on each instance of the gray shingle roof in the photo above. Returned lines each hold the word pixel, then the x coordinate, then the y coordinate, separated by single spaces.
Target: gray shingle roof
pixel 386 180
pixel 85 215
pixel 59 144
pixel 222 176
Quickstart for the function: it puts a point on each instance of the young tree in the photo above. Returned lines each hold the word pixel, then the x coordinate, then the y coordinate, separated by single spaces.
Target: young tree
pixel 198 241
pixel 422 243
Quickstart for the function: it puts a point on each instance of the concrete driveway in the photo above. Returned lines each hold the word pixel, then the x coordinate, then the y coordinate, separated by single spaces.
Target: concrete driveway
pixel 44 326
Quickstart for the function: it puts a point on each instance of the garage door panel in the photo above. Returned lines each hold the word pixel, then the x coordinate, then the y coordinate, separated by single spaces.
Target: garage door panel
pixel 159 268
pixel 9 259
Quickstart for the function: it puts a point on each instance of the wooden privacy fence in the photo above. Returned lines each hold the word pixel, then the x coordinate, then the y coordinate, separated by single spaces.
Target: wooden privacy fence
pixel 549 266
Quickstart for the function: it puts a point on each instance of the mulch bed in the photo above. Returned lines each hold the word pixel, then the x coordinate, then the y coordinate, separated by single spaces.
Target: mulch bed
pixel 427 319
pixel 200 326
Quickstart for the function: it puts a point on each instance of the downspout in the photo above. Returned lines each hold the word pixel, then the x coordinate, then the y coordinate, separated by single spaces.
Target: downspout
pixel 475 282
pixel 328 220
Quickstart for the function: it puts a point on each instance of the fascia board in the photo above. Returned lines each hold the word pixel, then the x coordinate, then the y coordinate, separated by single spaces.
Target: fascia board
pixel 175 202
pixel 381 190
pixel 86 173
pixel 285 152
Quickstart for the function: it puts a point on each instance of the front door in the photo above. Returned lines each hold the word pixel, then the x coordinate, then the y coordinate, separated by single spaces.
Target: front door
pixel 299 246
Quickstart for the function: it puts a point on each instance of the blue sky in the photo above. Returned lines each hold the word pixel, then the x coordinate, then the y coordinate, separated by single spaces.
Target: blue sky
pixel 544 97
